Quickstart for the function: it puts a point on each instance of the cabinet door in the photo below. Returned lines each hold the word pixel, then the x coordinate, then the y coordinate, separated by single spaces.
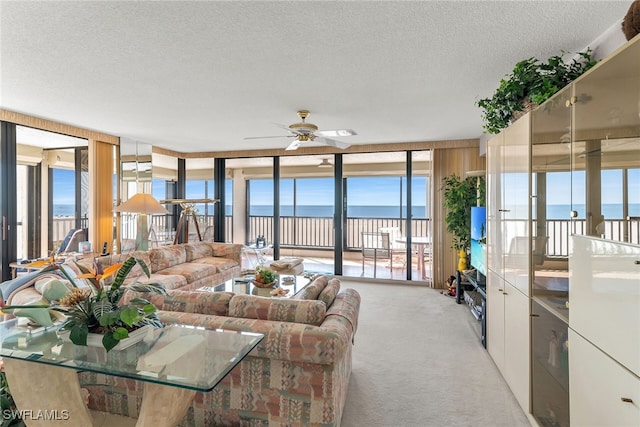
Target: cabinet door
pixel 516 344
pixel 515 203
pixel 494 204
pixel 599 387
pixel 605 297
pixel 549 367
pixel 605 148
pixel 495 318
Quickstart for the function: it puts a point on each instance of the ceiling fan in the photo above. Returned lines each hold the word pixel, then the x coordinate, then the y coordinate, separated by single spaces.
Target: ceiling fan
pixel 303 132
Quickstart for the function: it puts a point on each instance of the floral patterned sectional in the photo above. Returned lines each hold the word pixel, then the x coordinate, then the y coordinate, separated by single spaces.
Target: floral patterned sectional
pixel 185 266
pixel 297 376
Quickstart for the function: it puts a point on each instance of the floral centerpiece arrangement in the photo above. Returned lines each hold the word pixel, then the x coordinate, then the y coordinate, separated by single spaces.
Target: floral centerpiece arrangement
pixel 265 278
pixel 96 308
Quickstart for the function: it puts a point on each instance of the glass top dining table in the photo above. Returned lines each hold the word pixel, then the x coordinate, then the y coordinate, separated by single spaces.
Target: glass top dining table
pixel 173 363
pixel 159 358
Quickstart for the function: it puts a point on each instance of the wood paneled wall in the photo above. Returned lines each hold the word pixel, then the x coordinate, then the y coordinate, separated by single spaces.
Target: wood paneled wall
pixel 447 161
pixel 101 166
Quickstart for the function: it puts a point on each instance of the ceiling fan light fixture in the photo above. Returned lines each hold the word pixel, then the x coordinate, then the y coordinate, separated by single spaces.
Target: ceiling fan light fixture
pixel 325 164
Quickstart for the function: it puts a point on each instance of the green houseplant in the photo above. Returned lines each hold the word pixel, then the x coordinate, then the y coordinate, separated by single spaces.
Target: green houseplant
pixel 459 195
pixel 94 308
pixel 98 309
pixel 530 83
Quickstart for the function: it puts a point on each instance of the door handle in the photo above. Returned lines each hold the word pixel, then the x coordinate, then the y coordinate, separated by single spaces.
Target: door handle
pixel 4 228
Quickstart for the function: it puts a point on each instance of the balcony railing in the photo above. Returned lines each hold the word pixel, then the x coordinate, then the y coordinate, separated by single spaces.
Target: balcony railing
pixel 317 233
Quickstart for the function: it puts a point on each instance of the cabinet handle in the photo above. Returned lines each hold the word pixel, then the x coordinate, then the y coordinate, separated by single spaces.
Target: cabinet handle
pixel 571 101
pixel 626 400
pixel 505 293
pixel 504 210
pixel 637 262
pixel 534 315
pixel 500 290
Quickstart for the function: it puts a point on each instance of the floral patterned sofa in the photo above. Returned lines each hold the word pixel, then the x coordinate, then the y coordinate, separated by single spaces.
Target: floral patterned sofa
pixel 297 376
pixel 184 266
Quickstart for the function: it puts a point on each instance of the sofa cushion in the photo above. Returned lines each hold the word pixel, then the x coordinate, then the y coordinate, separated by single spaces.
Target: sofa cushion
pixel 313 289
pixel 166 257
pixel 137 270
pixel 191 271
pixel 215 303
pixel 11 288
pixel 330 291
pixel 168 281
pixel 221 264
pixel 276 309
pixel 198 250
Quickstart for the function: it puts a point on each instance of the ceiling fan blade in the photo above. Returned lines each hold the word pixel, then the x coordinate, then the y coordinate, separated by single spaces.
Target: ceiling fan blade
pixel 283 127
pixel 263 137
pixel 294 145
pixel 332 142
pixel 336 132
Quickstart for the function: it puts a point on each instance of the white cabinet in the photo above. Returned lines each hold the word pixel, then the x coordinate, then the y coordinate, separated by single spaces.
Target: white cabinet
pixel 508 335
pixel 495 250
pixel 605 297
pixel 495 318
pixel 508 245
pixel 515 204
pixel 603 393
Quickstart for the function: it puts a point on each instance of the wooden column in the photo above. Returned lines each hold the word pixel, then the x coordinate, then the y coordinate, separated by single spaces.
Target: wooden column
pixel 101 170
pixel 447 161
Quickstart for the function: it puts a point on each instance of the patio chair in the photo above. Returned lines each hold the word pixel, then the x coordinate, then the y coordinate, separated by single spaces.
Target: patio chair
pixel 398 249
pixel 376 246
pixel 72 240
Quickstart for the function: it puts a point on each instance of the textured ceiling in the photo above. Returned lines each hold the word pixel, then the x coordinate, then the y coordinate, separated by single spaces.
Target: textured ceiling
pixel 201 76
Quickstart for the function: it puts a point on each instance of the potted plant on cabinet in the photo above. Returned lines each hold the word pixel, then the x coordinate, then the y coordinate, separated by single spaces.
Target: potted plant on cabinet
pixel 459 195
pixel 530 83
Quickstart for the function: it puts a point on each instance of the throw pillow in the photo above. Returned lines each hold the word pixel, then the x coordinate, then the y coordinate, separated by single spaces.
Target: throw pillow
pixel 329 292
pixel 309 312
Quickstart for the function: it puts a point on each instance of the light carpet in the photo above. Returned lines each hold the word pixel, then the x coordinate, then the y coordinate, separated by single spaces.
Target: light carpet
pixel 418 361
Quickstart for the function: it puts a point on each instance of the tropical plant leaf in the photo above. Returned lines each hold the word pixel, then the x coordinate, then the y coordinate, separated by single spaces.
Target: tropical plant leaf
pixel 102 307
pixel 79 333
pixel 129 315
pixel 120 333
pixel 149 308
pixel 144 266
pixel 156 288
pixel 109 341
pixel 110 318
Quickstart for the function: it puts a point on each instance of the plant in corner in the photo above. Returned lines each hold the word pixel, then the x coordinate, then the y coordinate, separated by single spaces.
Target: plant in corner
pixel 459 195
pixel 97 308
pixel 530 83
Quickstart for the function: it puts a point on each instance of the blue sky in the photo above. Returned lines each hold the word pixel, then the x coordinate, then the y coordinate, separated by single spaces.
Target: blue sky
pixel 369 191
pixel 381 191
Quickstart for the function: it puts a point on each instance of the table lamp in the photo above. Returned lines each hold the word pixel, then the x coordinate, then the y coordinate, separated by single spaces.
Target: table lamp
pixel 143 205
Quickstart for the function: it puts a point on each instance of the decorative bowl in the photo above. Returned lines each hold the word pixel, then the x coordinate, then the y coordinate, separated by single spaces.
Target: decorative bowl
pixel 263 285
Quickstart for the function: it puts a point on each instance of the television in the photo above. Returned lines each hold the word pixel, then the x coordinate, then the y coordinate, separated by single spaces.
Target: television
pixel 479 239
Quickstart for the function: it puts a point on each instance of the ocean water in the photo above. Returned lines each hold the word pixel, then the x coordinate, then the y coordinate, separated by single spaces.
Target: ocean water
pixel 323 211
pixel 610 211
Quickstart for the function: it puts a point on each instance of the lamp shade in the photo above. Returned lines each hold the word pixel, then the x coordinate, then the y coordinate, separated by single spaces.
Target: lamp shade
pixel 142 203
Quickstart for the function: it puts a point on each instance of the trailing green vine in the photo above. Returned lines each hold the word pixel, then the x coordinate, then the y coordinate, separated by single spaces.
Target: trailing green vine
pixel 531 81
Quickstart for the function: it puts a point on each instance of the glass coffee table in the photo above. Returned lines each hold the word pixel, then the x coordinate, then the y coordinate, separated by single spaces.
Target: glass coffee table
pixel 174 363
pixel 244 285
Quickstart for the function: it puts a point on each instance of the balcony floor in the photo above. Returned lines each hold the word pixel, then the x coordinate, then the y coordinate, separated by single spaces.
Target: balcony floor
pixel 352 267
